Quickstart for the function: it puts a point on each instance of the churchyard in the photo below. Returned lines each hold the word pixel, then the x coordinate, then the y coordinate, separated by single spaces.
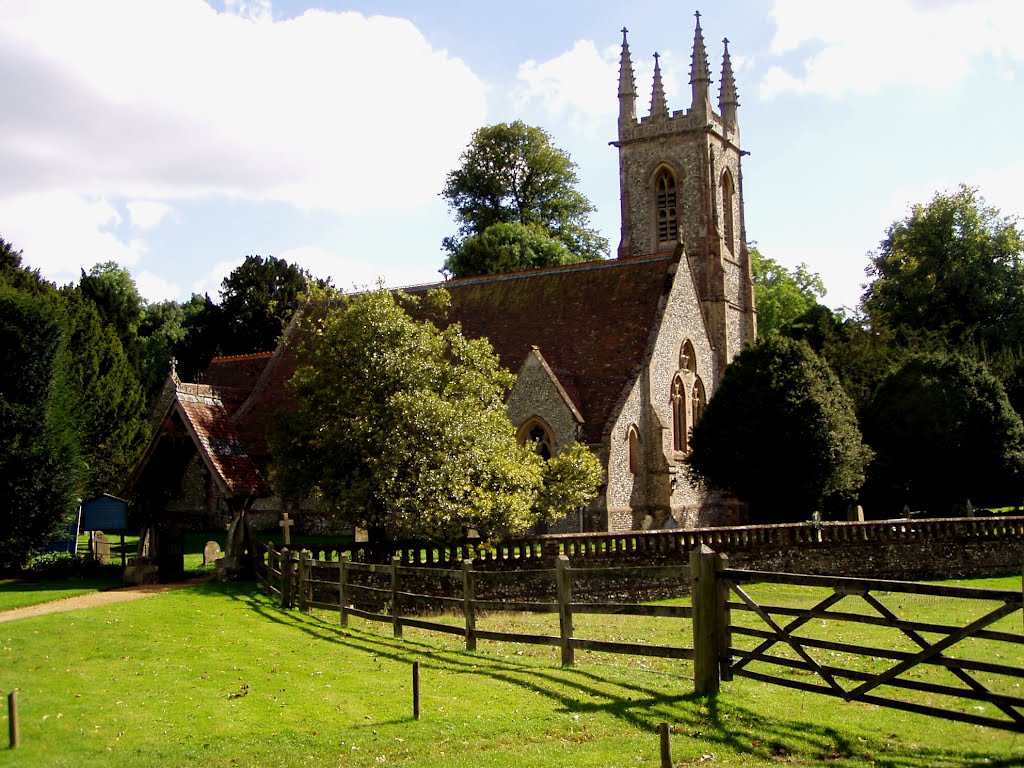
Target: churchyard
pixel 219 675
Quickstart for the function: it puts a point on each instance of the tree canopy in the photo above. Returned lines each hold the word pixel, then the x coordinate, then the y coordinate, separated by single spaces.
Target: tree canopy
pixel 511 174
pixel 782 295
pixel 951 268
pixel 401 428
pixel 258 299
pixel 780 433
pixel 944 433
pixel 39 469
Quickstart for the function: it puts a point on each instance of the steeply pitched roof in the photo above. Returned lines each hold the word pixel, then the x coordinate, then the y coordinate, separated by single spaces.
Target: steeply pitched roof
pixel 592 322
pixel 206 412
pixel 237 371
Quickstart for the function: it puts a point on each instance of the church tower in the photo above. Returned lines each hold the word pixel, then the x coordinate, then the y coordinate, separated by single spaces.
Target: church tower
pixel 681 187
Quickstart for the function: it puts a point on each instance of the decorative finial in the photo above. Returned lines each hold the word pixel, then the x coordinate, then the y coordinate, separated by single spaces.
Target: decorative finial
pixel 627 85
pixel 728 99
pixel 659 107
pixel 700 77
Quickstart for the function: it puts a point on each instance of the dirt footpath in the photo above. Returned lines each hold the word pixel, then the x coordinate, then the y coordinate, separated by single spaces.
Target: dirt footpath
pixel 121 595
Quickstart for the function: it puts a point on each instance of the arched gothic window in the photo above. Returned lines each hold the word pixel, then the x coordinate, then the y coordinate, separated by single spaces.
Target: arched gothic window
pixel 680 428
pixel 634 450
pixel 688 358
pixel 536 433
pixel 729 224
pixel 667 216
pixel 699 399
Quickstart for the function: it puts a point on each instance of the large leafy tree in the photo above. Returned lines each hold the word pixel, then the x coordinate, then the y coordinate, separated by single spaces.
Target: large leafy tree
pixel 944 433
pixel 401 428
pixel 513 178
pixel 780 433
pixel 258 299
pixel 38 463
pixel 951 268
pixel 783 295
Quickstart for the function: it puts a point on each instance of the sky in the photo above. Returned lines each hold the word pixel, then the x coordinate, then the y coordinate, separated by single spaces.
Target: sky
pixel 175 137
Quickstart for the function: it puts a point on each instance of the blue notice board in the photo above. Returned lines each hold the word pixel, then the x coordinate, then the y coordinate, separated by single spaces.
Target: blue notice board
pixel 105 513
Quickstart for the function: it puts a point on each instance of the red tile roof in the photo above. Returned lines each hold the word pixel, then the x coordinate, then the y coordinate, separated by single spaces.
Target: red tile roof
pixel 238 371
pixel 591 322
pixel 207 411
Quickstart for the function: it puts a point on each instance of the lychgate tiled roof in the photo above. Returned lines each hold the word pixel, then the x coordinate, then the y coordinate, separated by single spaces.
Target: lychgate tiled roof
pixel 207 411
pixel 237 371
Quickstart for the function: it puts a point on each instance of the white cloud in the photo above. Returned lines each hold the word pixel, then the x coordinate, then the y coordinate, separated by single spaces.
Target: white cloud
pixel 580 84
pixel 146 214
pixel 210 282
pixel 61 231
pixel 154 288
pixel 354 274
pixel 170 99
pixel 864 46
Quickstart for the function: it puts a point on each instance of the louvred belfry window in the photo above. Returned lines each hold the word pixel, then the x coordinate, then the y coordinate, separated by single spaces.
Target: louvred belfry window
pixel 668 222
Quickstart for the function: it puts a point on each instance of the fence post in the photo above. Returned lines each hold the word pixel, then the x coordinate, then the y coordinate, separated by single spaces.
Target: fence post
pixel 564 578
pixel 707 613
pixel 12 718
pixel 304 568
pixel 468 596
pixel 343 587
pixel 666 746
pixel 286 577
pixel 396 618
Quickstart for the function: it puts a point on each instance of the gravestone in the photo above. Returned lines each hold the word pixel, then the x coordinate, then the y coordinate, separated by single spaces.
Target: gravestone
pixel 99 547
pixel 211 553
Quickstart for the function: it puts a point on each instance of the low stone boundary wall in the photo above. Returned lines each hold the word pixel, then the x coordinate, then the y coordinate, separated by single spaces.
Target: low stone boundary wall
pixel 891 549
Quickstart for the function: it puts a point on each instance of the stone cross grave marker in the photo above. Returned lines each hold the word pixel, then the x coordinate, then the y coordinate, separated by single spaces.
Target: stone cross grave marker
pixel 99 547
pixel 211 552
pixel 286 525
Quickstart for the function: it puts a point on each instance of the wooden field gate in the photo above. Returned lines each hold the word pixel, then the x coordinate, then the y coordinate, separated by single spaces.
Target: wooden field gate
pixel 782 648
pixel 970 668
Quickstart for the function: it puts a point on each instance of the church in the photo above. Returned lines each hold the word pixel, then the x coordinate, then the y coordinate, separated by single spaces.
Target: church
pixel 621 354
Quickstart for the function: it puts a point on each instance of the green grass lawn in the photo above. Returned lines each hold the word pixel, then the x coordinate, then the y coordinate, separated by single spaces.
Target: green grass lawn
pixel 218 675
pixel 16 593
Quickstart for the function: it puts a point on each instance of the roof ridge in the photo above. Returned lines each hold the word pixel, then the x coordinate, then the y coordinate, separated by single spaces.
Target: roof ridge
pixel 585 266
pixel 247 356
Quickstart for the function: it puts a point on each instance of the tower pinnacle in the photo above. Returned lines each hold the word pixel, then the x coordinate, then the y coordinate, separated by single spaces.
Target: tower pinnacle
pixel 627 85
pixel 700 76
pixel 728 99
pixel 659 107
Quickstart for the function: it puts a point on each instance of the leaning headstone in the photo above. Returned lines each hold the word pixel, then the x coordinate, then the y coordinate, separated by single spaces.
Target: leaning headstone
pixel 860 514
pixel 100 547
pixel 211 553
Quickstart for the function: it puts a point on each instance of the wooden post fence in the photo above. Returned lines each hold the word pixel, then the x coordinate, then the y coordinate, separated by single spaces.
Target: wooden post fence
pixel 396 561
pixel 710 620
pixel 12 718
pixel 343 588
pixel 564 578
pixel 304 581
pixel 666 746
pixel 468 598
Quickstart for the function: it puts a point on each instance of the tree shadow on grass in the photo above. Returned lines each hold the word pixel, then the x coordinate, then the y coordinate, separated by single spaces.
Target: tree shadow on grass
pixel 701 724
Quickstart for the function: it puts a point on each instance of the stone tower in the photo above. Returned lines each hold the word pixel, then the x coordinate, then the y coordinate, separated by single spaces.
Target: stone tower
pixel 681 186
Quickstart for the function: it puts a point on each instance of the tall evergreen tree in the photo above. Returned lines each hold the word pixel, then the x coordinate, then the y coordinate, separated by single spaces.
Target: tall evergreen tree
pixel 38 462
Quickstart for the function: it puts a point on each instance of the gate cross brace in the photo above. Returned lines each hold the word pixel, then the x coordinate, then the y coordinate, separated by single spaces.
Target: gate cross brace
pixel 932 651
pixel 791 642
pixel 795 624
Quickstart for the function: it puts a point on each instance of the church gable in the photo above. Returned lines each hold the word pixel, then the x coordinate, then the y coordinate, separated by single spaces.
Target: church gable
pixel 539 400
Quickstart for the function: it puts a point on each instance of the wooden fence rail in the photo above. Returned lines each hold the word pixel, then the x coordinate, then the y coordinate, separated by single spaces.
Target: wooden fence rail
pixel 781 640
